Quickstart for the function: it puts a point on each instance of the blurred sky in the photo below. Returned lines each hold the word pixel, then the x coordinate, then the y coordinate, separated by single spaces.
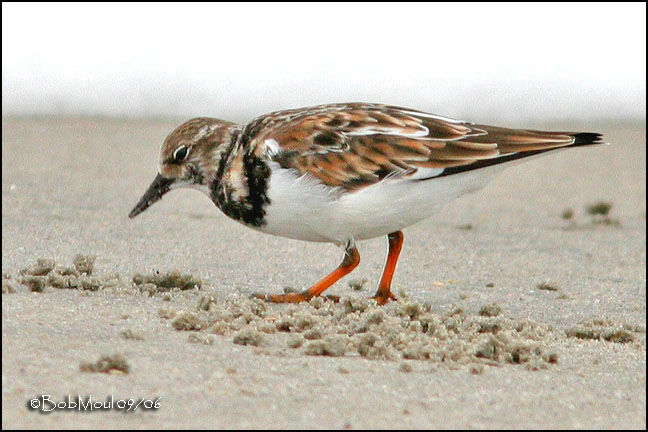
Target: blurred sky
pixel 479 62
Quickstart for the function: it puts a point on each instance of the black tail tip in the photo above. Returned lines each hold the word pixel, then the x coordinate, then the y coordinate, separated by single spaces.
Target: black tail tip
pixel 585 138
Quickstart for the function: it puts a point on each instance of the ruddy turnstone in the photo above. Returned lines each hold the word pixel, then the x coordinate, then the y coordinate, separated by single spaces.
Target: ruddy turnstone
pixel 340 173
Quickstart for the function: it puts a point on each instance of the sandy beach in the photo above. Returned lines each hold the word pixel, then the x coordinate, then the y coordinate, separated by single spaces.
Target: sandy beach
pixel 518 308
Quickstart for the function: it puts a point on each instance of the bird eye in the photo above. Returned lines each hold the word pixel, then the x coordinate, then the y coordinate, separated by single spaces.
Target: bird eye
pixel 180 154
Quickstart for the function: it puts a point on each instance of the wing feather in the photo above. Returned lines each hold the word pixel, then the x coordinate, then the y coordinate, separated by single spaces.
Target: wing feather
pixel 355 145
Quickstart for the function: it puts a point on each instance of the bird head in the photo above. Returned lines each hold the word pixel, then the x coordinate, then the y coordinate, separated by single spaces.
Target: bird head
pixel 189 158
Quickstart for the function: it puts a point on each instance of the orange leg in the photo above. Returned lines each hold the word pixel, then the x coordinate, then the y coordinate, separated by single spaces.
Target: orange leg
pixel 395 243
pixel 350 261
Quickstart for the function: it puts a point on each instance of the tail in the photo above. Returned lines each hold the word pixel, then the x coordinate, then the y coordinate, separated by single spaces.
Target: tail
pixel 586 138
pixel 515 144
pixel 520 141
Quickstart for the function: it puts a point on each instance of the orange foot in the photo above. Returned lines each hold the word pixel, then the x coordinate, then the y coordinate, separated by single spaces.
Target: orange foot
pixel 350 261
pixel 382 298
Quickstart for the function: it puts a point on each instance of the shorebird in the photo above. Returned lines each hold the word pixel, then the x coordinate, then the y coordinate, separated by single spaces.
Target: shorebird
pixel 341 173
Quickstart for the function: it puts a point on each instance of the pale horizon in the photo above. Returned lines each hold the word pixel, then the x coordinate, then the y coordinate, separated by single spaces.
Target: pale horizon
pixel 492 62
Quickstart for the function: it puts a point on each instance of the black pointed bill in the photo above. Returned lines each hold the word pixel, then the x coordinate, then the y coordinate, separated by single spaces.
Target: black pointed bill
pixel 159 187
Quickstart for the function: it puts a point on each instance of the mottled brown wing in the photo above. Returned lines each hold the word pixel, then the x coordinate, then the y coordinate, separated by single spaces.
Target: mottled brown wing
pixel 355 145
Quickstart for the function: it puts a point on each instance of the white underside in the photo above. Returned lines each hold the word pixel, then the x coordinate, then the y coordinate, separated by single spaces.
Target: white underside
pixel 303 208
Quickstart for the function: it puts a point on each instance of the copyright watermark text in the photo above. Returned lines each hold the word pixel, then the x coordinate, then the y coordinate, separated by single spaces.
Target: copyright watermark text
pixel 47 404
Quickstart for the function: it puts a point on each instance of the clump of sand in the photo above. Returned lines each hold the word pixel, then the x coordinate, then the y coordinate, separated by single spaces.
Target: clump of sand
pixel 547 286
pixel 351 326
pixel 8 286
pixel 84 263
pixel 188 321
pixel 197 338
pixel 129 334
pixel 113 364
pixel 162 283
pixel 599 213
pixel 602 330
pixel 599 208
pixel 567 214
pixel 248 336
pixel 490 310
pixel 358 327
pixel 45 273
pixel 358 284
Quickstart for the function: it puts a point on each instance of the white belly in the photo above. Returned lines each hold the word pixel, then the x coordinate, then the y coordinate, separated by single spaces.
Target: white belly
pixel 303 208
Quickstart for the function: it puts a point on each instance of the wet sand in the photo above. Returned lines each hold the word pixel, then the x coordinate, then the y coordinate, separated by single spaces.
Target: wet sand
pixel 511 314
